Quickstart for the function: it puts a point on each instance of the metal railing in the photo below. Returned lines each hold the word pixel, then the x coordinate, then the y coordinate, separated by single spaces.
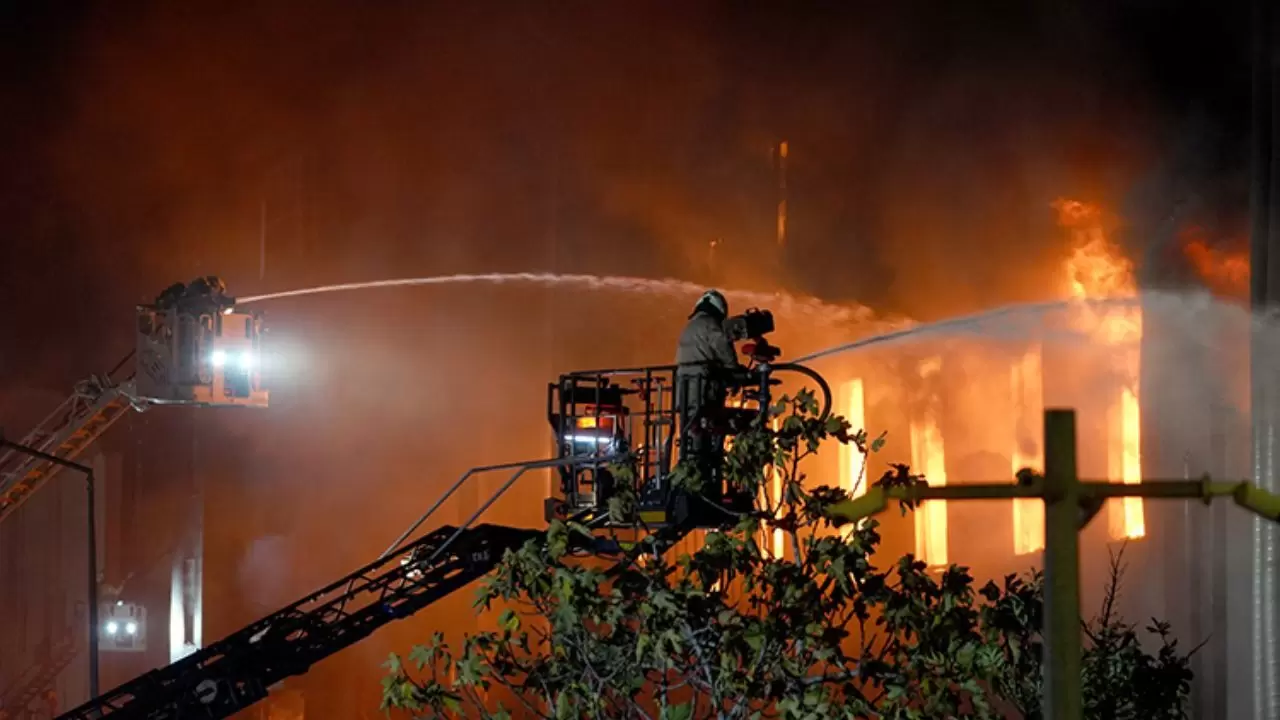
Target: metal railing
pixel 520 467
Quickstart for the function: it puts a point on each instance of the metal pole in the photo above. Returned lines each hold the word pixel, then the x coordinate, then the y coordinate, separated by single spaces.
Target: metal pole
pixel 92 549
pixel 1061 699
pixel 1264 278
pixel 1219 585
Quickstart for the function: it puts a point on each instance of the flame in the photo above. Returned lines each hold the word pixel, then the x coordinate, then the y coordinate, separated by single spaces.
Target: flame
pixel 929 459
pixel 1222 270
pixel 1129 522
pixel 1028 451
pixel 1097 269
pixel 853 464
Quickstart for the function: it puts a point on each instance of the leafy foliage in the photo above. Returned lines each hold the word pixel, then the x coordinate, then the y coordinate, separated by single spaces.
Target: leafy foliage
pixel 735 631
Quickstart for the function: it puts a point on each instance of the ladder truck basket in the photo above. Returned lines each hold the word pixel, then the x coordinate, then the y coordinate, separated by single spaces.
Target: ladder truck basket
pixel 199 357
pixel 605 413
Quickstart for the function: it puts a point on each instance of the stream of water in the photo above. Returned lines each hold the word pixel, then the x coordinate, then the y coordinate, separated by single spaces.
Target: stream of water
pixel 1196 316
pixel 785 304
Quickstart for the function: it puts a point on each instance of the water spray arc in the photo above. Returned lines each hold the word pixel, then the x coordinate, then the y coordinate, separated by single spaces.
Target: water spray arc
pixel 983 323
pixel 782 303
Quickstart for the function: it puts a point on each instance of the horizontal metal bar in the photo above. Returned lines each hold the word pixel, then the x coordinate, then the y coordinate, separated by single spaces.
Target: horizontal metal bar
pixel 982 491
pixel 1245 494
pixel 876 498
pixel 609 372
pixel 45 456
pixel 1205 489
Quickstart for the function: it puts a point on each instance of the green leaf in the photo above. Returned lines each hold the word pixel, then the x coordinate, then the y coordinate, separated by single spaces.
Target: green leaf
pixel 564 708
pixel 422 655
pixel 580 529
pixel 683 711
pixel 509 621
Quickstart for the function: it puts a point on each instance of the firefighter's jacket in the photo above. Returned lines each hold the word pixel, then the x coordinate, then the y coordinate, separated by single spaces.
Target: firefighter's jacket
pixel 704 352
pixel 704 345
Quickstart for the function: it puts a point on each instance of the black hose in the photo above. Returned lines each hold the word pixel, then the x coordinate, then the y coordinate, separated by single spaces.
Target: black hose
pixel 813 375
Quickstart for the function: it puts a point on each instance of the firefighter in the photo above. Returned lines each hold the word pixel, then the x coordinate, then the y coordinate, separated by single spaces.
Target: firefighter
pixel 206 295
pixel 207 291
pixel 171 296
pixel 705 357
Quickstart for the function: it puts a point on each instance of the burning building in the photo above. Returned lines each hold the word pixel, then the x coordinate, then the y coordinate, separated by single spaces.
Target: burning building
pixel 1159 382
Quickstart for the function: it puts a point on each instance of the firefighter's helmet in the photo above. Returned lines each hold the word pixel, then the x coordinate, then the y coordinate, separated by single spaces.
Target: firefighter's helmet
pixel 716 300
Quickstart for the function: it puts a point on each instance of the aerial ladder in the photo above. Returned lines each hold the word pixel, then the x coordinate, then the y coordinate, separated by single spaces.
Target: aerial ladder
pixel 600 420
pixel 192 347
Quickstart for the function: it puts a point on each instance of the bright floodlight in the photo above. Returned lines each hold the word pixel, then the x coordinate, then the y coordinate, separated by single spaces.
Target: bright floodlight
pixel 598 439
pixel 112 627
pixel 246 360
pixel 218 358
pixel 131 628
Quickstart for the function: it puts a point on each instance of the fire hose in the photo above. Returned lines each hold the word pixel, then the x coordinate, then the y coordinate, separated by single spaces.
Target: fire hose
pixel 813 375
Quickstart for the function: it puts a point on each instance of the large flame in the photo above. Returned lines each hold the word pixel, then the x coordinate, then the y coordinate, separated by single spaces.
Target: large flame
pixel 928 457
pixel 1098 269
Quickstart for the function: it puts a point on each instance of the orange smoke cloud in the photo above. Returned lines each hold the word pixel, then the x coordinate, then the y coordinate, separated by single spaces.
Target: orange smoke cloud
pixel 1223 271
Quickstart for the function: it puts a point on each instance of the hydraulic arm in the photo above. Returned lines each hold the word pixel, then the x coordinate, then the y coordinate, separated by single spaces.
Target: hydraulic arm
pixel 234 673
pixel 81 419
pixel 189 349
